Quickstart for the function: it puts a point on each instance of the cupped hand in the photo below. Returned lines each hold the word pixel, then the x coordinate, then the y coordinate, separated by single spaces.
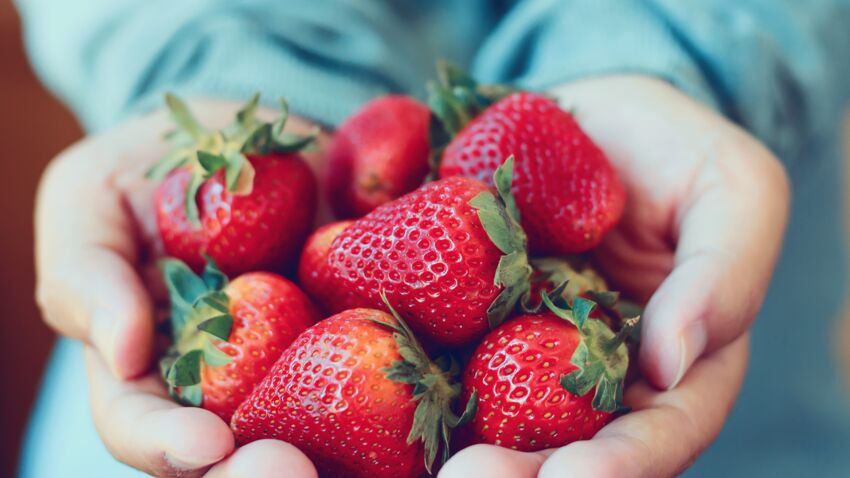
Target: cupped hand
pixel 703 225
pixel 96 247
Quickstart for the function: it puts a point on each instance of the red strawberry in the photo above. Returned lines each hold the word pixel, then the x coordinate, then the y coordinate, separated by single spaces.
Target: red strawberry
pixel 356 392
pixel 314 273
pixel 239 195
pixel 228 336
pixel 377 155
pixel 567 191
pixel 449 256
pixel 531 393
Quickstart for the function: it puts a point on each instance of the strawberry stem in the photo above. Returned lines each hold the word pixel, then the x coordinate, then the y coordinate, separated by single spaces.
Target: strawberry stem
pixel 435 390
pixel 601 357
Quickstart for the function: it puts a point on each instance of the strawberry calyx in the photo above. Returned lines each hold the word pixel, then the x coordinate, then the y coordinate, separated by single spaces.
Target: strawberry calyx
pixel 200 318
pixel 456 99
pixel 209 151
pixel 601 358
pixel 573 276
pixel 500 217
pixel 579 278
pixel 435 389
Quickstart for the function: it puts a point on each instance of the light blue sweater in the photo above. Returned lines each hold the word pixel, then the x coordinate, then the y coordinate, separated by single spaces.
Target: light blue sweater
pixel 780 68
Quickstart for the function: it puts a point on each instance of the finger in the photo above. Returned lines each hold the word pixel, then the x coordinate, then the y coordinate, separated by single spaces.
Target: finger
pixel 729 234
pixel 141 427
pixel 492 462
pixel 265 459
pixel 669 429
pixel 86 252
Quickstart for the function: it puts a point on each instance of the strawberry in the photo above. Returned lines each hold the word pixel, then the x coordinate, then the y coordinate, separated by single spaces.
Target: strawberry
pixel 314 274
pixel 377 155
pixel 226 336
pixel 356 392
pixel 566 189
pixel 450 256
pixel 533 376
pixel 241 195
pixel 574 273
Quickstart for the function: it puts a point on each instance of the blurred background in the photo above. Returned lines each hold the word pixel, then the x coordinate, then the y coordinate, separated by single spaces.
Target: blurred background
pixel 33 128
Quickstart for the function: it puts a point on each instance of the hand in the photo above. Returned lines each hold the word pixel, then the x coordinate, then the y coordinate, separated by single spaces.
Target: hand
pixel 703 226
pixel 96 246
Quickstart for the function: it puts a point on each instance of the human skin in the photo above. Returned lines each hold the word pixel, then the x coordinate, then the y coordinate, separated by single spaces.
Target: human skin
pixel 706 211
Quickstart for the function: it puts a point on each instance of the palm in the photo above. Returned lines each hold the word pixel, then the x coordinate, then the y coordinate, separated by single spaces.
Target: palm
pixel 97 251
pixel 704 216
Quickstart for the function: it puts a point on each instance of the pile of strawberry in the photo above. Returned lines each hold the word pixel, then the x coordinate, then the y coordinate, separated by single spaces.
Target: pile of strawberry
pixel 455 299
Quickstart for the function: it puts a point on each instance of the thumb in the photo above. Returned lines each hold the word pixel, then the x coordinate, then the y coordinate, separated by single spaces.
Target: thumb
pixel 729 236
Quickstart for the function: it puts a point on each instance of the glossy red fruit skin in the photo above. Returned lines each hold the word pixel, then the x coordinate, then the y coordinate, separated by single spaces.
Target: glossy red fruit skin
pixel 516 370
pixel 314 273
pixel 328 396
pixel 263 230
pixel 269 312
pixel 568 193
pixel 377 155
pixel 431 256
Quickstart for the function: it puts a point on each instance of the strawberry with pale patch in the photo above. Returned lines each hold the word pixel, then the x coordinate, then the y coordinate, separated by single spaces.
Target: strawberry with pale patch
pixel 242 195
pixel 227 335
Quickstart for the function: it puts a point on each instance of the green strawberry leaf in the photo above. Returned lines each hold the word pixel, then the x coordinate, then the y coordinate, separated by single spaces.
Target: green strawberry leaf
pixel 183 117
pixel 277 127
pixel 503 178
pixel 199 315
pixel 246 117
pixel 191 396
pixel 468 412
pixel 184 289
pixel 500 218
pixel 494 219
pixel 211 162
pixel 192 212
pixel 455 99
pixel 212 276
pixel 217 300
pixel 601 358
pixel 290 144
pixel 218 326
pixel 234 164
pixel 434 389
pixel 186 370
pixel 207 152
pixel 581 311
pixel 450 76
pixel 176 158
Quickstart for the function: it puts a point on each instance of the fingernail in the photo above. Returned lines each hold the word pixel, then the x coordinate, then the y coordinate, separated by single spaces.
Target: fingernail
pixel 691 345
pixel 179 464
pixel 104 334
